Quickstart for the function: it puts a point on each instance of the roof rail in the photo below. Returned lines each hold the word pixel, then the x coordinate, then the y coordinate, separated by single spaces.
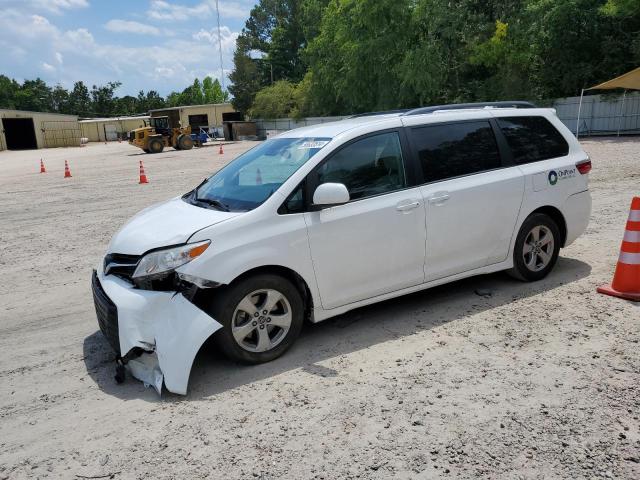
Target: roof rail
pixel 462 106
pixel 385 112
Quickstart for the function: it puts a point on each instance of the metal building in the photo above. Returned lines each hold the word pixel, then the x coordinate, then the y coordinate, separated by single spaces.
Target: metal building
pixel 22 130
pixel 109 129
pixel 197 116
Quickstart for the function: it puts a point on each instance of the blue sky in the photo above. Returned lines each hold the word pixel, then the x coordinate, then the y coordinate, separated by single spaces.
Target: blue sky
pixel 145 44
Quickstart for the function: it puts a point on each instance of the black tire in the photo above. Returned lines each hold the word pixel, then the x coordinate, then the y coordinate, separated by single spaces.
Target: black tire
pixel 223 306
pixel 155 145
pixel 185 142
pixel 146 150
pixel 530 267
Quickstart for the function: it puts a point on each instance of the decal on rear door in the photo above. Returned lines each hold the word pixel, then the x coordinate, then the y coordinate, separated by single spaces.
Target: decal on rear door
pixel 554 176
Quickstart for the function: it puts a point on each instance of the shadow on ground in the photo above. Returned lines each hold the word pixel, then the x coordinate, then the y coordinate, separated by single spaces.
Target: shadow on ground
pixel 350 332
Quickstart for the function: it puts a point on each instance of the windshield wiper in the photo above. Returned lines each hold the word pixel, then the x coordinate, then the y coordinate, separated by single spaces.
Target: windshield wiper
pixel 209 201
pixel 193 193
pixel 214 203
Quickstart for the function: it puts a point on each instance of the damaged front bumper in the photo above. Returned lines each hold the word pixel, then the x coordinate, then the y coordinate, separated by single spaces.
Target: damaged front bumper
pixel 157 334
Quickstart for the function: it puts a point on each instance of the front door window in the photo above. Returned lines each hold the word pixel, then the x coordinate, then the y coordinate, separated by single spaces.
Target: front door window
pixel 368 167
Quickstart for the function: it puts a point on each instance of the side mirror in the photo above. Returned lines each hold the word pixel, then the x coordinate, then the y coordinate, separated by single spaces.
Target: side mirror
pixel 330 195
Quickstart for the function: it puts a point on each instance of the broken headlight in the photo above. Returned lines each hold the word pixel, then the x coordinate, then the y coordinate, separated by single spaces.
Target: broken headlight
pixel 165 261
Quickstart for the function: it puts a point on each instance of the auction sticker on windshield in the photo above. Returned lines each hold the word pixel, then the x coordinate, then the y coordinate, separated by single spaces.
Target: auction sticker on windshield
pixel 313 144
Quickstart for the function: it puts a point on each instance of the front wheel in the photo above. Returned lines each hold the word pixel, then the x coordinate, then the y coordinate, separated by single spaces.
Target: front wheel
pixel 185 142
pixel 261 318
pixel 536 249
pixel 156 145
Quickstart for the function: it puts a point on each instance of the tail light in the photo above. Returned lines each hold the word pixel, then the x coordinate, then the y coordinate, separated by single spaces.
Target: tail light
pixel 584 166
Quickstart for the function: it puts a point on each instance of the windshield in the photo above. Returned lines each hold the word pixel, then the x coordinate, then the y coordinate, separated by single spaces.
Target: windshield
pixel 250 179
pixel 159 122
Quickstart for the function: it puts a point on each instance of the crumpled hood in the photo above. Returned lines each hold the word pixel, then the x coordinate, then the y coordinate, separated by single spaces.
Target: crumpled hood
pixel 164 224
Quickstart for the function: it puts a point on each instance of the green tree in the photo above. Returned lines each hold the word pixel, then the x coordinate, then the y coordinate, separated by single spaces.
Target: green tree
pixel 213 92
pixel 286 43
pixel 102 99
pixel 173 99
pixel 149 101
pixel 574 44
pixel 127 105
pixel 311 12
pixel 8 92
pixel 275 101
pixel 34 95
pixel 355 57
pixel 80 100
pixel 60 99
pixel 305 103
pixel 153 101
pixel 271 46
pixel 621 8
pixel 245 77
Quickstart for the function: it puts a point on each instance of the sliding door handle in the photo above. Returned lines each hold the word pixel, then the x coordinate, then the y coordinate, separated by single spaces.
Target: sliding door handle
pixel 439 198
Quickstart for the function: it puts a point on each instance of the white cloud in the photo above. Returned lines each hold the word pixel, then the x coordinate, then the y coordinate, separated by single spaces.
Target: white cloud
pixel 168 11
pixel 117 25
pixel 57 5
pixel 34 46
pixel 162 10
pixel 227 36
pixel 50 6
pixel 235 9
pixel 79 38
pixel 164 71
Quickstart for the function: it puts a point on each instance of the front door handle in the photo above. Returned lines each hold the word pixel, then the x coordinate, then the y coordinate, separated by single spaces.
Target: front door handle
pixel 405 207
pixel 439 198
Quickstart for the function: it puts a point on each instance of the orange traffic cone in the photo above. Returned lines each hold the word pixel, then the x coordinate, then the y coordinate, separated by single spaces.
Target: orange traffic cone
pixel 221 152
pixel 143 176
pixel 626 280
pixel 258 177
pixel 42 169
pixel 67 172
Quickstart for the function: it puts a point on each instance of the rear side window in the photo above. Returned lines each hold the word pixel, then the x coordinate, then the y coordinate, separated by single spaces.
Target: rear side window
pixel 533 139
pixel 456 149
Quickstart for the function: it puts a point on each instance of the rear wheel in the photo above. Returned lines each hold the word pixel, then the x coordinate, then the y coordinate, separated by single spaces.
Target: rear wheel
pixel 261 317
pixel 156 145
pixel 185 142
pixel 536 249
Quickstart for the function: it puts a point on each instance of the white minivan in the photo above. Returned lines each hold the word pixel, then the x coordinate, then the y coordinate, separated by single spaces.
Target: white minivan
pixel 327 218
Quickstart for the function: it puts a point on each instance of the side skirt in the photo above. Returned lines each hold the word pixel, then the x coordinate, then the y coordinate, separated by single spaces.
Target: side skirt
pixel 320 314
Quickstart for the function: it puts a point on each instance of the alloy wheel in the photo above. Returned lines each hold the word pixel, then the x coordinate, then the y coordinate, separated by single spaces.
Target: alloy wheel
pixel 538 248
pixel 261 320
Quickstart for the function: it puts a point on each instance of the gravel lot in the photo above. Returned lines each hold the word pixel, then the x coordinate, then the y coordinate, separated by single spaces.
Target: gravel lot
pixel 527 381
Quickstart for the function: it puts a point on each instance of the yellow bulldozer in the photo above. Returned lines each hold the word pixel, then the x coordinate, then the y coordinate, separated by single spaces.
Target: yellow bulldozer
pixel 159 134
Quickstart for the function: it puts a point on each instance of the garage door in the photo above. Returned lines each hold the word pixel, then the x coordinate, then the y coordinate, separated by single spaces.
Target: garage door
pixel 19 133
pixel 110 133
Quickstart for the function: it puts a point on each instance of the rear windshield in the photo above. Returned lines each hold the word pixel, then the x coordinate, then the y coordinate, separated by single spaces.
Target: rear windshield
pixel 532 139
pixel 254 176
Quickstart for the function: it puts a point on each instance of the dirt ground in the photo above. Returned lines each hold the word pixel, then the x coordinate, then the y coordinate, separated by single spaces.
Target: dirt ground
pixel 526 381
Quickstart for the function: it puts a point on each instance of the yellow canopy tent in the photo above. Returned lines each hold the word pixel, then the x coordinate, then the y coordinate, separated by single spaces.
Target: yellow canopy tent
pixel 628 81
